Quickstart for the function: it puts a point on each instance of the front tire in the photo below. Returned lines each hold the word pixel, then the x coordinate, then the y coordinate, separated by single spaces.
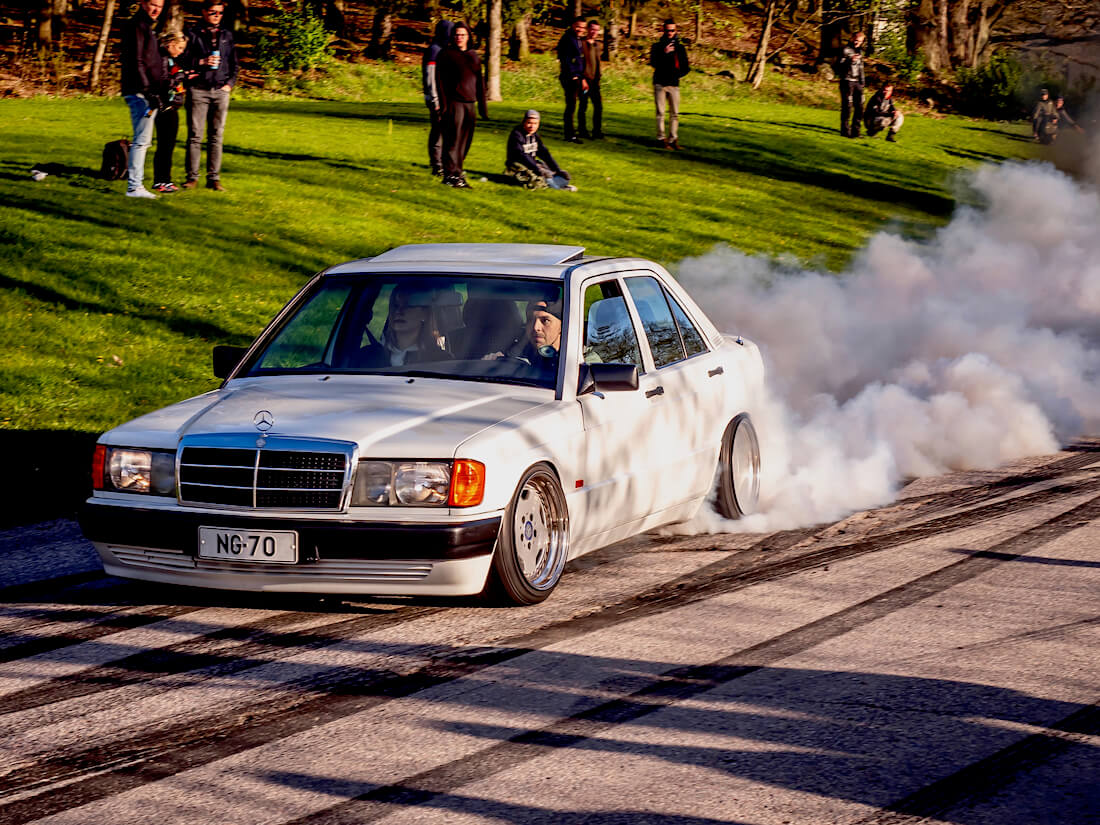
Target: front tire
pixel 534 540
pixel 739 469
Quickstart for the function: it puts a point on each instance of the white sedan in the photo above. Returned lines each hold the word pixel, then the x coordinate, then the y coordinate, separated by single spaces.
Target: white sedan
pixel 444 419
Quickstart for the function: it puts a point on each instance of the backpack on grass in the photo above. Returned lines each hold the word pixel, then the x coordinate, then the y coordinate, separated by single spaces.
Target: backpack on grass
pixel 116 159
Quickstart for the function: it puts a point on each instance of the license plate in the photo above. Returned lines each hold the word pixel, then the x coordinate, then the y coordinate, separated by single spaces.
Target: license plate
pixel 263 546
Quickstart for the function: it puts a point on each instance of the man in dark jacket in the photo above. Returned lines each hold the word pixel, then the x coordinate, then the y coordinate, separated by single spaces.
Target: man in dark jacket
pixel 669 60
pixel 571 58
pixel 882 114
pixel 852 81
pixel 431 93
pixel 461 88
pixel 1044 118
pixel 529 161
pixel 593 70
pixel 210 53
pixel 142 81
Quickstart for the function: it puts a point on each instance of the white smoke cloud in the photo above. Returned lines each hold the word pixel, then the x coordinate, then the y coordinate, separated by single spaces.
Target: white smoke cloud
pixel 975 348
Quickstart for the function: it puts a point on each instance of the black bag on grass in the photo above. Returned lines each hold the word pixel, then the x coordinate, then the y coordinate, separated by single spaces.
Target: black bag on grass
pixel 116 159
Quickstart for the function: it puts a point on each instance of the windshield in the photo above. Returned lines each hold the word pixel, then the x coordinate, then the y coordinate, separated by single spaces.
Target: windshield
pixel 469 327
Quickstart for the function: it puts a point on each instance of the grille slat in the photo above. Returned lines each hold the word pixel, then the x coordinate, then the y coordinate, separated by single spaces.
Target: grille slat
pixel 266 477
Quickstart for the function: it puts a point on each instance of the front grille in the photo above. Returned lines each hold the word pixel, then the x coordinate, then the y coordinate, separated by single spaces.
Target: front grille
pixel 278 475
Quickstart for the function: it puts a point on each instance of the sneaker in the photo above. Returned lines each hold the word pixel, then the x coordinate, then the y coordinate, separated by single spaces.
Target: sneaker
pixel 573 139
pixel 569 187
pixel 166 188
pixel 191 184
pixel 892 137
pixel 437 171
pixel 597 136
pixel 460 182
pixel 140 192
pixel 674 144
pixel 216 185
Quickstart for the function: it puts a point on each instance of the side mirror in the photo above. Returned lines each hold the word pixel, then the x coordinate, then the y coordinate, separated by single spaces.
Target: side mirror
pixel 607 378
pixel 226 360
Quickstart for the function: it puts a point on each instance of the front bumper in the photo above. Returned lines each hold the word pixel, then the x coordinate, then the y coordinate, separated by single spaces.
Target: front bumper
pixel 381 558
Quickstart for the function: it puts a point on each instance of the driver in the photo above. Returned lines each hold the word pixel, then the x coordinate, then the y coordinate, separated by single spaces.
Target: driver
pixel 541 344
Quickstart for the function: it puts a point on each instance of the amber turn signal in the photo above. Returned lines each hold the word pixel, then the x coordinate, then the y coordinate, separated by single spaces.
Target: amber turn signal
pixel 467 483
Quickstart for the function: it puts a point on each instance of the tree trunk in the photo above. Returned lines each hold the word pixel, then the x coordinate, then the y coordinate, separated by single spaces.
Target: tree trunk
pixel 44 36
pixel 632 23
pixel 492 51
pixel 60 19
pixel 611 32
pixel 101 45
pixel 239 15
pixel 335 18
pixel 381 31
pixel 173 15
pixel 578 8
pixel 519 45
pixel 698 21
pixel 756 70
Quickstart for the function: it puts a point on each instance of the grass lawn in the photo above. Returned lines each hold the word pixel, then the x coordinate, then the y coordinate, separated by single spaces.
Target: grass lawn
pixel 110 306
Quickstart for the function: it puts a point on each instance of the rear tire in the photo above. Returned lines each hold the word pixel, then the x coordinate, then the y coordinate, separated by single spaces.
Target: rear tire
pixel 739 469
pixel 533 544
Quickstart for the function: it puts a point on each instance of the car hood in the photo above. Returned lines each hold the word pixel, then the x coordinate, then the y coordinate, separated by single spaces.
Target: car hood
pixel 388 416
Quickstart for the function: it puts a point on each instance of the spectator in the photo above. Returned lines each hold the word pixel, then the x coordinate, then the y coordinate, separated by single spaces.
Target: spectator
pixel 461 88
pixel 529 161
pixel 1063 116
pixel 882 114
pixel 593 47
pixel 172 44
pixel 669 60
pixel 852 80
pixel 1044 118
pixel 142 80
pixel 431 94
pixel 571 58
pixel 213 58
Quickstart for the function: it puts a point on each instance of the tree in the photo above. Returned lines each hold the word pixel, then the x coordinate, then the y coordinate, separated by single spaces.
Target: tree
pixel 101 45
pixel 756 70
pixel 519 44
pixel 381 30
pixel 953 34
pixel 492 50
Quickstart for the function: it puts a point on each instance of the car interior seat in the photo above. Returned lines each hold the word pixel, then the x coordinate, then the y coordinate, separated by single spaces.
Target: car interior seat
pixel 489 325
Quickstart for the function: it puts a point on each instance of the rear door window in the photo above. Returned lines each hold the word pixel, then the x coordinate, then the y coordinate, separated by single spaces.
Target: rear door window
pixel 657 321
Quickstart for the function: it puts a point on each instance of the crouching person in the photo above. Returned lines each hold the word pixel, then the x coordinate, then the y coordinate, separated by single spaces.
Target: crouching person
pixel 881 114
pixel 530 162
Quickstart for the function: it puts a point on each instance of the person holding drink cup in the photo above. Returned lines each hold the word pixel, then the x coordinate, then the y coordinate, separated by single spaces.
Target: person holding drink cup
pixel 212 56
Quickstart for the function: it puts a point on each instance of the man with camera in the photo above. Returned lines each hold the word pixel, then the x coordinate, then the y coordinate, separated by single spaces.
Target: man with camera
pixel 210 53
pixel 142 80
pixel 669 60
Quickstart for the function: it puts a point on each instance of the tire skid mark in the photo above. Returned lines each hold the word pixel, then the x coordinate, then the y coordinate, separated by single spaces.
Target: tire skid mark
pixel 258 642
pixel 110 624
pixel 682 683
pixel 981 779
pixel 161 753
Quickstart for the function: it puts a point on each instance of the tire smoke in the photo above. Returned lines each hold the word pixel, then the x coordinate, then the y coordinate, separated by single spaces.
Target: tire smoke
pixel 977 347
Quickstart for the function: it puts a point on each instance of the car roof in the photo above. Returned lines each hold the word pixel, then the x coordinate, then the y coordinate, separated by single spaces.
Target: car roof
pixel 536 259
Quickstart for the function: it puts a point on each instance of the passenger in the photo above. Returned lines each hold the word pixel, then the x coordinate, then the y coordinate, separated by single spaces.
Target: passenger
pixel 541 343
pixel 410 335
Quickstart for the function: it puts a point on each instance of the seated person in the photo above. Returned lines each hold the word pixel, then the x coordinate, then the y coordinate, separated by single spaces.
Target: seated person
pixel 410 335
pixel 529 161
pixel 880 114
pixel 541 343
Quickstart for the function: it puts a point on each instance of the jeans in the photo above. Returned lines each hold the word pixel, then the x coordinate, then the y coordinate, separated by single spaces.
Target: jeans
pixel 206 107
pixel 671 94
pixel 142 118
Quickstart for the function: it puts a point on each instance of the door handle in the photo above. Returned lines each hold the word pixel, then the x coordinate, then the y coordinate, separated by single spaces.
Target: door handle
pixel 715 371
pixel 654 391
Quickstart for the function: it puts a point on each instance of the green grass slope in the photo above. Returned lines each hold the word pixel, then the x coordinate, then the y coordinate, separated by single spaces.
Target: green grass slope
pixel 110 306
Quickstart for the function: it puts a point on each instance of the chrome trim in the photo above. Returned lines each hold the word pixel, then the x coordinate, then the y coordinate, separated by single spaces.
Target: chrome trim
pixel 260 446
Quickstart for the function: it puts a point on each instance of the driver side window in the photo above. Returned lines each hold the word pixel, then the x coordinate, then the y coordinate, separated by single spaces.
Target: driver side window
pixel 609 336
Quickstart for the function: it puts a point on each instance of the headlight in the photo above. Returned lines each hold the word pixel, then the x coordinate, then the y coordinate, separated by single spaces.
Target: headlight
pixel 422 482
pixel 419 483
pixel 140 471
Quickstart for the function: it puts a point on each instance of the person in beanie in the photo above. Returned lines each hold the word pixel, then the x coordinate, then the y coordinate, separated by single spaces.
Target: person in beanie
pixel 571 76
pixel 540 345
pixel 882 114
pixel 852 81
pixel 431 94
pixel 592 73
pixel 528 160
pixel 669 60
pixel 142 81
pixel 213 59
pixel 461 89
pixel 1044 118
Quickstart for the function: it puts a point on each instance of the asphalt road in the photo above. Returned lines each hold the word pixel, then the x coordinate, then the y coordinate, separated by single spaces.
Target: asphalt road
pixel 936 660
